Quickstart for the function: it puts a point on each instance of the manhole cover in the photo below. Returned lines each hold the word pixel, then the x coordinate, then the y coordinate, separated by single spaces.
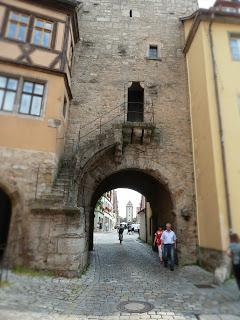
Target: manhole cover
pixel 135 307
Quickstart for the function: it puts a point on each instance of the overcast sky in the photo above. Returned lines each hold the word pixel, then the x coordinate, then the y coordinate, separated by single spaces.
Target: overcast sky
pixel 125 195
pixel 205 3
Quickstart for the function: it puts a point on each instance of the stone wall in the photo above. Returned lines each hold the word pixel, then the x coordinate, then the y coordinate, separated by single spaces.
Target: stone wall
pixel 113 52
pixel 216 261
pixel 24 176
pixel 142 222
pixel 102 166
pixel 210 259
pixel 58 238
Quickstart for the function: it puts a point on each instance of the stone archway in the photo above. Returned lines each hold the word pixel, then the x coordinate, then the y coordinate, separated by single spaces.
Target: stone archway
pixel 169 196
pixel 155 192
pixel 14 237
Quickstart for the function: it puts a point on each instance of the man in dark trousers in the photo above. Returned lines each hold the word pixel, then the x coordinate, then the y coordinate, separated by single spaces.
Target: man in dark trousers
pixel 169 246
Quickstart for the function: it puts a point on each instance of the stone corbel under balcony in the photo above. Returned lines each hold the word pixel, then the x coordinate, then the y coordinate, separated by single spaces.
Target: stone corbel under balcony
pixel 137 132
pixel 131 133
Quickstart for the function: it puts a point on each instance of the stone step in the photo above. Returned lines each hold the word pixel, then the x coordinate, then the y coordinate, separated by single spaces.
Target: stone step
pixel 59 195
pixel 60 183
pixel 53 199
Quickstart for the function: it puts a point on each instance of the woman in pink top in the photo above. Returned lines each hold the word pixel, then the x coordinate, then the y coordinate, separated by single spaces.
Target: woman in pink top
pixel 157 241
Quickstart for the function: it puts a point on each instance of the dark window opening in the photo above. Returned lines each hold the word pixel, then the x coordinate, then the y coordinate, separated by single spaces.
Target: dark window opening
pixel 65 108
pixel 5 218
pixel 135 103
pixel 153 52
pixel 130 13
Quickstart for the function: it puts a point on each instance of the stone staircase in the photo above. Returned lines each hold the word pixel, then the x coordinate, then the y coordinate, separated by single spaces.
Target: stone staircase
pixel 114 136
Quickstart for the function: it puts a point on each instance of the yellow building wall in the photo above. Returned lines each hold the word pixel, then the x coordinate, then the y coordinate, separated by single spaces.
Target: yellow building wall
pixel 2 13
pixel 40 56
pixel 149 223
pixel 229 91
pixel 35 8
pixel 34 133
pixel 211 206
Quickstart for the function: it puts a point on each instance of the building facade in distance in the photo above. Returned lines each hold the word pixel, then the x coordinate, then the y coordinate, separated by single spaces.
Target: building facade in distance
pixel 129 212
pixel 105 215
pixel 213 60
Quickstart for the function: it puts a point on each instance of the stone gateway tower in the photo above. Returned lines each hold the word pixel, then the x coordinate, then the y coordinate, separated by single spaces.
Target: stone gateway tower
pixel 129 212
pixel 130 111
pixel 128 127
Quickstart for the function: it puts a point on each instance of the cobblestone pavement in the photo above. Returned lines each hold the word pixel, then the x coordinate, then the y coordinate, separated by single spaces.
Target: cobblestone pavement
pixel 118 273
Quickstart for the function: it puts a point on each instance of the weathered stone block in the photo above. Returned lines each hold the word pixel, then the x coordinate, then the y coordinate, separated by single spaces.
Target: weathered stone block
pixel 71 245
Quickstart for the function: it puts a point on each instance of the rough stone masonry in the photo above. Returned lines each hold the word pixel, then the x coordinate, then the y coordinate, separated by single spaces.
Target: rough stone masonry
pixel 113 53
pixel 103 151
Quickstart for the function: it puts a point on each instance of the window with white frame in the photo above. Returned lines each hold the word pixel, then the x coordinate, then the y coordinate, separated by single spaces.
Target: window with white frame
pixel 235 46
pixel 17 26
pixel 31 98
pixel 42 33
pixel 18 95
pixel 8 90
pixel 28 28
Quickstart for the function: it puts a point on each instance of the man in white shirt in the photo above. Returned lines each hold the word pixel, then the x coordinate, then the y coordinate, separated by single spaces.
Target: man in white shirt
pixel 169 246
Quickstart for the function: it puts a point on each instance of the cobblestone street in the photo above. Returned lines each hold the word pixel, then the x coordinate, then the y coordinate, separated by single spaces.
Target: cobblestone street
pixel 117 274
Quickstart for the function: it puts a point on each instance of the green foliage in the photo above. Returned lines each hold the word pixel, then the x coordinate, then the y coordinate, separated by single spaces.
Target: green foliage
pixel 4 284
pixel 99 203
pixel 83 272
pixel 31 272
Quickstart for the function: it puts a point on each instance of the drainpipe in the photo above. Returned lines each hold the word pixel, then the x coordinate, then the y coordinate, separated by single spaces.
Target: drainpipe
pixel 229 216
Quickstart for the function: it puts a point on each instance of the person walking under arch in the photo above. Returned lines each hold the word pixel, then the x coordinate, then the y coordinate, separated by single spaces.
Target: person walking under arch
pixel 120 233
pixel 158 242
pixel 169 246
pixel 234 253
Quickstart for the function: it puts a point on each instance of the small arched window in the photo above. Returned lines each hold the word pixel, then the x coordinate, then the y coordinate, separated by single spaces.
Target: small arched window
pixel 135 103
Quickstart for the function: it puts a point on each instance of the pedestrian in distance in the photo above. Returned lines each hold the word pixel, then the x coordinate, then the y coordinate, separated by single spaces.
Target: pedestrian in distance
pixel 120 233
pixel 158 242
pixel 129 229
pixel 234 253
pixel 169 246
pixel 132 229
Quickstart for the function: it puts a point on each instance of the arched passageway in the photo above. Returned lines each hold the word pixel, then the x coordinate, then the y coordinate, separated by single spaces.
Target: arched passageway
pixel 155 192
pixel 5 219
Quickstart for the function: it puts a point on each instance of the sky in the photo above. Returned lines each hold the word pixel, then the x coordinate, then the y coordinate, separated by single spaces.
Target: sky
pixel 124 195
pixel 205 3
